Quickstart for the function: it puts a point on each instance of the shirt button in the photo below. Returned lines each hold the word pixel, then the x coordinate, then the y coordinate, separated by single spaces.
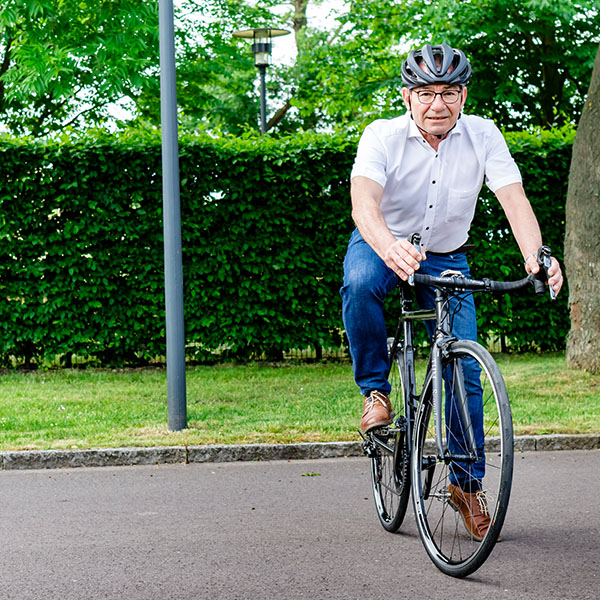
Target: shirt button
pixel 426 228
pixel 431 206
pixel 433 181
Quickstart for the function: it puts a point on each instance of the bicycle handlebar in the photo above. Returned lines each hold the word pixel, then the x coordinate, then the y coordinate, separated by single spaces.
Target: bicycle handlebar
pixel 459 282
pixel 488 285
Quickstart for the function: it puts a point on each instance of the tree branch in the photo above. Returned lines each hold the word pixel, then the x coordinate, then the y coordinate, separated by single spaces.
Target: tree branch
pixel 95 106
pixel 335 34
pixel 276 118
pixel 49 108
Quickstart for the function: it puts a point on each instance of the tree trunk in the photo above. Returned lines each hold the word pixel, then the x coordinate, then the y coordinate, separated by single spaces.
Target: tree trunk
pixel 299 19
pixel 4 67
pixel 582 240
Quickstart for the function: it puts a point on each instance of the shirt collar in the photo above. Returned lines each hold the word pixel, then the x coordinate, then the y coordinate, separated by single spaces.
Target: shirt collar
pixel 413 130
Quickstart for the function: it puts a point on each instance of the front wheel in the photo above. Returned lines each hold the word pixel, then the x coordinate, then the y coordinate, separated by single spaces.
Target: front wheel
pixel 483 482
pixel 390 472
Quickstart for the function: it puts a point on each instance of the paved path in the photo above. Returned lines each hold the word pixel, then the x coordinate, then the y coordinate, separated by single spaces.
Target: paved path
pixel 284 530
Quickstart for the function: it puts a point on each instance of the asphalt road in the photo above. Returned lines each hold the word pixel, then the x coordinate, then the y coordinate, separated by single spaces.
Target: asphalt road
pixel 285 530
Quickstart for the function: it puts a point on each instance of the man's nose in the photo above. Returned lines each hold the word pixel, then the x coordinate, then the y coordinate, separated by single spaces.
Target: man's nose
pixel 438 103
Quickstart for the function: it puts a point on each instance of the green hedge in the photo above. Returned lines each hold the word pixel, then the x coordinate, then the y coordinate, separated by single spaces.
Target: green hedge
pixel 524 320
pixel 265 225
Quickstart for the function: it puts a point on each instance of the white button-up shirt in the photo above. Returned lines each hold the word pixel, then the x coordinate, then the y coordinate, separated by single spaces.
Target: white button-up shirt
pixel 428 191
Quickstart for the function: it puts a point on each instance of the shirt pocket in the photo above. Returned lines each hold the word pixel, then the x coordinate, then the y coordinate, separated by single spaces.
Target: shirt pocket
pixel 461 204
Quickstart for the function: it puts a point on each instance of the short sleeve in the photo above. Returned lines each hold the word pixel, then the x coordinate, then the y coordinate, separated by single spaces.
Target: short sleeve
pixel 500 167
pixel 371 158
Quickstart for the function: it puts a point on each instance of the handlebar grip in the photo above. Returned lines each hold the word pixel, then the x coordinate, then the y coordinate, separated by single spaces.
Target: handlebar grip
pixel 539 282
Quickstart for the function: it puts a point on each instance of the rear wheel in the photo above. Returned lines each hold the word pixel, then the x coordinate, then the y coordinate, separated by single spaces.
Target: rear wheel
pixel 390 461
pixel 486 482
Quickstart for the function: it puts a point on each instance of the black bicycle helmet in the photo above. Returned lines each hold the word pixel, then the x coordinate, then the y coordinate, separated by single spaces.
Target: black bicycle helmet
pixel 421 68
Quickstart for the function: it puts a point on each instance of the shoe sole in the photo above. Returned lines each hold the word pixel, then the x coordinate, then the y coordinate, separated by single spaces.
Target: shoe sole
pixel 377 426
pixel 380 424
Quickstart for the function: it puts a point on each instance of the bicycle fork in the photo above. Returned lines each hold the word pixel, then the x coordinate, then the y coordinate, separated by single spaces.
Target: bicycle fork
pixel 456 392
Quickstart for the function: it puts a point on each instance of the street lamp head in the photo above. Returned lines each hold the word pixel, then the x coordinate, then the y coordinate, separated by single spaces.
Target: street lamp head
pixel 261 46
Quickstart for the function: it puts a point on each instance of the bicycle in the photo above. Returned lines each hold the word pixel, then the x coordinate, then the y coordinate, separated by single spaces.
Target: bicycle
pixel 421 450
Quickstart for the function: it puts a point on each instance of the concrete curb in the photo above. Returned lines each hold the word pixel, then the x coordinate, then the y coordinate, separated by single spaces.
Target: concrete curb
pixel 112 457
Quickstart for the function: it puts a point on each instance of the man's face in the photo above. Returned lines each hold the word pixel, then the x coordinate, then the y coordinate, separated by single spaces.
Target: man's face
pixel 439 117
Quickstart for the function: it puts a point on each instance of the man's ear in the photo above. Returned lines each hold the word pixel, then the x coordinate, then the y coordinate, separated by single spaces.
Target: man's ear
pixel 464 98
pixel 406 97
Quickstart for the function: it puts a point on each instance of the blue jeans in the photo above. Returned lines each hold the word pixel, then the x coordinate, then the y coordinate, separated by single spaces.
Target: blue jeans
pixel 367 279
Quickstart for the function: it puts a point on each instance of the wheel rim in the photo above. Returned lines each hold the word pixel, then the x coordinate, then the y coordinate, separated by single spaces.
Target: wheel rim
pixel 386 485
pixel 390 472
pixel 452 547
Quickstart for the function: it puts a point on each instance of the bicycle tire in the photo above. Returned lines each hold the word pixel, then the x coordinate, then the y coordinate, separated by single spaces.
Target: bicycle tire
pixel 447 541
pixel 390 460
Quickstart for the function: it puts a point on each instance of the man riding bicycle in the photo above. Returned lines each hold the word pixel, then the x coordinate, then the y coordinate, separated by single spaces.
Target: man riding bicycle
pixel 422 172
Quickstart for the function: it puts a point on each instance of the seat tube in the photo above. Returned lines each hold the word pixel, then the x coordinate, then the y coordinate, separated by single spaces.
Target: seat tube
pixel 409 362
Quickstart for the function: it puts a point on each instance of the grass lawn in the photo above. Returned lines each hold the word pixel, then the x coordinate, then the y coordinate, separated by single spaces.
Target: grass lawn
pixel 253 403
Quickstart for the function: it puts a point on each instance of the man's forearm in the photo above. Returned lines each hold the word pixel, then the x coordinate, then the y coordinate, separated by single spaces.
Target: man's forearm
pixel 521 217
pixel 372 227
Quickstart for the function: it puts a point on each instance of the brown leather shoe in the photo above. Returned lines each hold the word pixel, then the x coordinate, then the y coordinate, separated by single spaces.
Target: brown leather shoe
pixel 377 411
pixel 473 510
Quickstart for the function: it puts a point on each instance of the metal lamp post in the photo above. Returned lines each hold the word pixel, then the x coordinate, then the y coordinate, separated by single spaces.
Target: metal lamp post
pixel 261 48
pixel 176 392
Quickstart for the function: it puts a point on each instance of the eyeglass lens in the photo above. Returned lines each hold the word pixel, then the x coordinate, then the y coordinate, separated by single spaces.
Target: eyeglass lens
pixel 448 96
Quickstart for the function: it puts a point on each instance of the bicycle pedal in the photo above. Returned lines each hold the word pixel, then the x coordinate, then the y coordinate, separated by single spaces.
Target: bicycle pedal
pixel 368 446
pixel 382 432
pixel 401 423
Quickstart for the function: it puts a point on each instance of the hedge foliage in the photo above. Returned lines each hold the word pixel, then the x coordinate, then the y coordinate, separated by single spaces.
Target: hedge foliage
pixel 265 223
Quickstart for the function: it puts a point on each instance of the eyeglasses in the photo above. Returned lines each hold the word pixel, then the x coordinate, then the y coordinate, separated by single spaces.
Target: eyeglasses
pixel 428 97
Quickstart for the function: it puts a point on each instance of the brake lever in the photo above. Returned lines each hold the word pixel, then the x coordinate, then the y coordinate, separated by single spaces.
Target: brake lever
pixel 415 240
pixel 544 261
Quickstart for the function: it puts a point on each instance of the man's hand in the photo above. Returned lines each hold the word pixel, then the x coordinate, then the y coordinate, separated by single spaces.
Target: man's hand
pixel 403 258
pixel 555 277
